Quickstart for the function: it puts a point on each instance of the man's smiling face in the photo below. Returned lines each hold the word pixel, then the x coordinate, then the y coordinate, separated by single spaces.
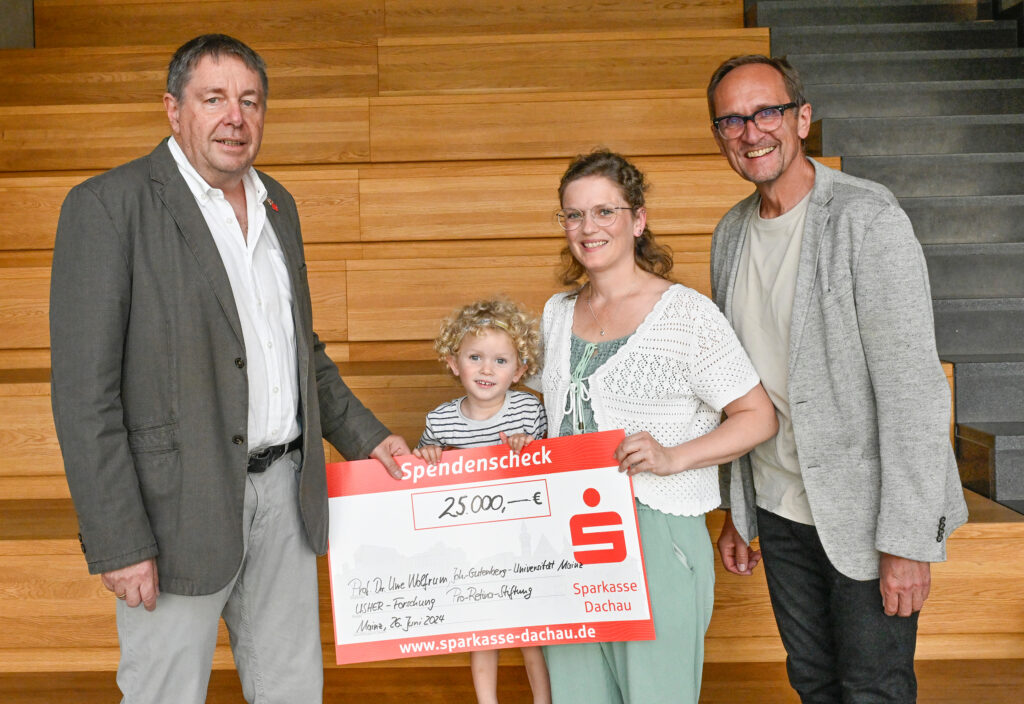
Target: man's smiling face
pixel 218 123
pixel 760 157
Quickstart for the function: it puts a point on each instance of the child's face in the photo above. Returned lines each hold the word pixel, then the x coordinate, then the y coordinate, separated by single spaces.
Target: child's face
pixel 487 365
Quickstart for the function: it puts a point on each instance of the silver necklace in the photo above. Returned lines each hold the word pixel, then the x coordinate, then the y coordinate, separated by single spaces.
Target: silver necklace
pixel 590 294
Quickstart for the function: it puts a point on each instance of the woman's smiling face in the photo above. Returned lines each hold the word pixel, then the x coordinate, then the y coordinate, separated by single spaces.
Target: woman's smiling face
pixel 594 246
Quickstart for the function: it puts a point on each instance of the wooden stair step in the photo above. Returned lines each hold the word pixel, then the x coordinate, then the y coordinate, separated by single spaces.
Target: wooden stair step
pixel 108 22
pixel 420 202
pixel 576 61
pixel 50 605
pixel 939 682
pixel 567 62
pixel 138 74
pixel 385 129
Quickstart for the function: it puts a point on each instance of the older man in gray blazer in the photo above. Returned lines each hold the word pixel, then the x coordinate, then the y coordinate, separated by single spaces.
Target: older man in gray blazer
pixel 827 288
pixel 191 394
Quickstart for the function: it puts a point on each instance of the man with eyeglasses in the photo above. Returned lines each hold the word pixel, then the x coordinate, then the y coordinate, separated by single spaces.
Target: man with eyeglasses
pixel 826 286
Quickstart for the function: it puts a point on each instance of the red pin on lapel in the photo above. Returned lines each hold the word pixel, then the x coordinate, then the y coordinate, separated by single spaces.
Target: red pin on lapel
pixel 272 204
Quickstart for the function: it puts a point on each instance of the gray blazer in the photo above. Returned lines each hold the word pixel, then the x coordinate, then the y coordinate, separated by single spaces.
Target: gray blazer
pixel 870 402
pixel 149 386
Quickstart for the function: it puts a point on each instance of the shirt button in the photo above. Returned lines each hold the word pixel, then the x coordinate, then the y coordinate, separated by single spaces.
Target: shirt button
pixel 269 344
pixel 276 389
pixel 238 440
pixel 240 363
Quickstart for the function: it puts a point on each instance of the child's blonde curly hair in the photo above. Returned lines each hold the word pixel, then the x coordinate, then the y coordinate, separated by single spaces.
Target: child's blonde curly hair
pixel 494 314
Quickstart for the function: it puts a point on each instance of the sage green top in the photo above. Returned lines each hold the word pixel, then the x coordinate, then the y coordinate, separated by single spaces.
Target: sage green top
pixel 585 358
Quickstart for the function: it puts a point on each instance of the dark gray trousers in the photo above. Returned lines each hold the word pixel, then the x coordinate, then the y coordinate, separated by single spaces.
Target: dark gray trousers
pixel 840 645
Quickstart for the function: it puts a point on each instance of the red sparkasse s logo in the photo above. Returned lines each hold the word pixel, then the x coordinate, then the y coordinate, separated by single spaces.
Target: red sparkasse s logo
pixel 598 546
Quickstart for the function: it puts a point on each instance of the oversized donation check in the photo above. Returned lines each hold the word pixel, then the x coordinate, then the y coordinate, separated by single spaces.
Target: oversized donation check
pixel 486 549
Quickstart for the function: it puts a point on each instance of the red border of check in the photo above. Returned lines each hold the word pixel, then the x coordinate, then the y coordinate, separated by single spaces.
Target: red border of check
pixel 567 454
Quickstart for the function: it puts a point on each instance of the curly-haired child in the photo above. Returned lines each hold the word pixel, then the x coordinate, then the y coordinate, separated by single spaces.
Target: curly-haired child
pixel 489 346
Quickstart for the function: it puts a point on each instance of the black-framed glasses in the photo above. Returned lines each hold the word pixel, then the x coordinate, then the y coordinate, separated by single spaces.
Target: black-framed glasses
pixel 601 215
pixel 766 119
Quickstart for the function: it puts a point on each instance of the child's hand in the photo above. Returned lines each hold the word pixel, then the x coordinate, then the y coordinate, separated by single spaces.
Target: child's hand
pixel 517 442
pixel 431 454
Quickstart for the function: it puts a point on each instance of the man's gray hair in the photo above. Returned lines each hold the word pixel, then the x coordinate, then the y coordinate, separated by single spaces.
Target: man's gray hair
pixel 794 86
pixel 213 45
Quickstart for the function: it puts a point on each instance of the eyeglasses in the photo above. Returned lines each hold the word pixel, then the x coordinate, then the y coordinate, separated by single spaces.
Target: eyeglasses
pixel 766 119
pixel 601 215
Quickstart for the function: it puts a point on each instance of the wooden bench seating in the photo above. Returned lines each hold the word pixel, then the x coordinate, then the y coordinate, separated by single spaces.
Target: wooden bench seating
pixel 138 74
pixel 593 61
pixel 398 129
pixel 70 627
pixel 420 204
pixel 379 237
pixel 72 23
pixel 400 392
pixel 572 62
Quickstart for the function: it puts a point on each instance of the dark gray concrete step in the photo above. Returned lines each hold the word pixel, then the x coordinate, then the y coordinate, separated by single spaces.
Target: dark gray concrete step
pixel 908 36
pixel 960 134
pixel 966 219
pixel 906 66
pixel 976 271
pixel 979 326
pixel 943 174
pixel 996 97
pixel 773 13
pixel 989 392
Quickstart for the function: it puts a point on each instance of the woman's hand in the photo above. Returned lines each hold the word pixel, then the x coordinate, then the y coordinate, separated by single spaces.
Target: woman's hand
pixel 642 453
pixel 431 454
pixel 517 442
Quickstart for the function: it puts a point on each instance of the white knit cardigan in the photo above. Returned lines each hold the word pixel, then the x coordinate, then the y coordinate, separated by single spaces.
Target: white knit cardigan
pixel 671 378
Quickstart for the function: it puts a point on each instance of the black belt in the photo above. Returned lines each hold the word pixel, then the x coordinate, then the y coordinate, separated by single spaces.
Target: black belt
pixel 261 459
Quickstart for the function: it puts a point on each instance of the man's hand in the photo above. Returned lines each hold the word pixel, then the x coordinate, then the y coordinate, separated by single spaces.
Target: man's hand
pixel 136 584
pixel 904 584
pixel 389 447
pixel 737 556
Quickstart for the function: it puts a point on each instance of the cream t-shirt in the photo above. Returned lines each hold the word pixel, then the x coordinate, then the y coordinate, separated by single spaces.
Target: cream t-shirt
pixel 762 306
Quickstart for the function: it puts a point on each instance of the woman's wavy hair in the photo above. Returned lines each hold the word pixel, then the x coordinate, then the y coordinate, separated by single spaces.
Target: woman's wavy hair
pixel 649 254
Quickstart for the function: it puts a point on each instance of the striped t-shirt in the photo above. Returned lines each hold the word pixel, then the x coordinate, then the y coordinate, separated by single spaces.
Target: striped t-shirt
pixel 521 413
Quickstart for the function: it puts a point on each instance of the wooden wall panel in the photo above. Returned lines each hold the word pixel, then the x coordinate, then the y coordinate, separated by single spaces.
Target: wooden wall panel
pixel 71 609
pixel 396 299
pixel 688 195
pixel 406 299
pixel 433 17
pixel 28 435
pixel 24 307
pixel 37 200
pixel 561 62
pixel 173 22
pixel 327 290
pixel 62 137
pixel 327 200
pixel 446 128
pixel 138 74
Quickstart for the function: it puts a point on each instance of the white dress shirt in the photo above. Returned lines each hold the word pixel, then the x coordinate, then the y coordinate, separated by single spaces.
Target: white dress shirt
pixel 263 297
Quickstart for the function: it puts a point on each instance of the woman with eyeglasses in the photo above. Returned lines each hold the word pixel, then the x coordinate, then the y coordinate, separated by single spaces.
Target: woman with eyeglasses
pixel 627 348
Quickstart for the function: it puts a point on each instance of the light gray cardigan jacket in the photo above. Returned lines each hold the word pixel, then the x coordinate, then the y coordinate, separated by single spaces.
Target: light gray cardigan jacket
pixel 869 399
